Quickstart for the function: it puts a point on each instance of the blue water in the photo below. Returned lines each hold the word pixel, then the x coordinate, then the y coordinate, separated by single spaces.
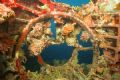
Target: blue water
pixel 53 28
pixel 62 51
pixel 73 2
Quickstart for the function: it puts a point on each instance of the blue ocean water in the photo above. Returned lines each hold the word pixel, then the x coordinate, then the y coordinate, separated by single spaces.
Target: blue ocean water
pixel 73 2
pixel 62 51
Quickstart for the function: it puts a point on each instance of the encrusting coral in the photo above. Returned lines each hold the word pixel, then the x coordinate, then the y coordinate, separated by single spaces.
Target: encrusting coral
pixel 98 27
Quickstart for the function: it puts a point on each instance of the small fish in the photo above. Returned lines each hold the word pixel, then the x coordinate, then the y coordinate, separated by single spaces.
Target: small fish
pixel 40 59
pixel 35 51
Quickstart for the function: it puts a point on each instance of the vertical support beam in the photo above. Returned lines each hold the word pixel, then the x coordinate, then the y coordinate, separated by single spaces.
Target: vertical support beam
pixel 96 53
pixel 118 43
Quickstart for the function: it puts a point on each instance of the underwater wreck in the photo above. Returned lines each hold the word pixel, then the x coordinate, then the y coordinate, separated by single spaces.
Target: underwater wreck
pixel 22 23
